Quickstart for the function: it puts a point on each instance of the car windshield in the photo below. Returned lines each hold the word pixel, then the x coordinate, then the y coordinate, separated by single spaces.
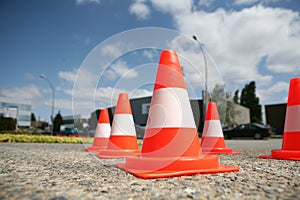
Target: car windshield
pixel 241 127
pixel 259 125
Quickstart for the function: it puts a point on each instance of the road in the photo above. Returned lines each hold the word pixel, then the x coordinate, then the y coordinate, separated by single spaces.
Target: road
pixel 254 145
pixel 66 171
pixel 246 145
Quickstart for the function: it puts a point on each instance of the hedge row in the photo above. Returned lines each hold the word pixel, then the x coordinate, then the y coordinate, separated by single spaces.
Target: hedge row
pixel 43 139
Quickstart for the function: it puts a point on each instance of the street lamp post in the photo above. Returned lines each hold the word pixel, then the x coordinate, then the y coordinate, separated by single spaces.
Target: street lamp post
pixel 205 65
pixel 53 96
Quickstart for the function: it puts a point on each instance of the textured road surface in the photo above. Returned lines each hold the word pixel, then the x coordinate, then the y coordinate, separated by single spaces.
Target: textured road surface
pixel 66 171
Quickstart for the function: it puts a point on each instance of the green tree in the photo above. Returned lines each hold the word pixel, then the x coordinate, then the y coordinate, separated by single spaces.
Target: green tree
pixel 44 125
pixel 7 124
pixel 236 97
pixel 58 120
pixel 33 119
pixel 251 101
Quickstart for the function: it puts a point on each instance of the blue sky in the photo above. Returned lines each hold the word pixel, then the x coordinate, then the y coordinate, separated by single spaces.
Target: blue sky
pixel 63 39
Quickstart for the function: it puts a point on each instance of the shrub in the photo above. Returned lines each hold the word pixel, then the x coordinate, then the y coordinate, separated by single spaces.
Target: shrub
pixel 7 123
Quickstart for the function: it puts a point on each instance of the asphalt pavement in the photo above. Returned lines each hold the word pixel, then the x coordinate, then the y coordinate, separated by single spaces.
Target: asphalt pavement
pixel 246 145
pixel 66 171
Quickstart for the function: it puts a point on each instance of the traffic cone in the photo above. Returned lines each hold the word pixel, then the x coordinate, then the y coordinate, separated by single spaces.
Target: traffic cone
pixel 213 139
pixel 122 141
pixel 102 132
pixel 291 136
pixel 171 146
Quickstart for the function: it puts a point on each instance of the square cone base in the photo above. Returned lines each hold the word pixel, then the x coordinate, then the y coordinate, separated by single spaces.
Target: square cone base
pixel 219 151
pixel 283 155
pixel 118 153
pixel 148 168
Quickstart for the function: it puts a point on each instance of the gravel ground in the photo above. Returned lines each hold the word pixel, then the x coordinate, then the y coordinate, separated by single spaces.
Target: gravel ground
pixel 66 171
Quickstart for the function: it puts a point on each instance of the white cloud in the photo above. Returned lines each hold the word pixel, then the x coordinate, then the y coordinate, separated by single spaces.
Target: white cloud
pixel 103 97
pixel 112 50
pixel 84 85
pixel 252 2
pixel 107 96
pixel 87 95
pixel 245 2
pixel 120 69
pixel 173 6
pixel 67 80
pixel 78 2
pixel 277 88
pixel 65 104
pixel 30 92
pixel 140 9
pixel 47 91
pixel 237 40
pixel 150 54
pixel 81 89
pixel 67 108
pixel 140 93
pixel 206 3
pixel 68 76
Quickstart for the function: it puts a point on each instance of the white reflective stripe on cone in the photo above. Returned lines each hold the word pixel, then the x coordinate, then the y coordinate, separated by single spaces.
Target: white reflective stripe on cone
pixel 103 130
pixel 212 128
pixel 292 119
pixel 123 125
pixel 170 107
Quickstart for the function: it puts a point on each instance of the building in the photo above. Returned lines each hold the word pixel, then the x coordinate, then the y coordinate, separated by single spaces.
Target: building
pixel 18 109
pixel 140 108
pixel 75 121
pixel 242 114
pixel 275 116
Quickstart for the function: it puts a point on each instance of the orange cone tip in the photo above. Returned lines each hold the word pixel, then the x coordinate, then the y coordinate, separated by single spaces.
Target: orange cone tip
pixel 213 139
pixel 291 136
pixel 102 132
pixel 171 146
pixel 122 141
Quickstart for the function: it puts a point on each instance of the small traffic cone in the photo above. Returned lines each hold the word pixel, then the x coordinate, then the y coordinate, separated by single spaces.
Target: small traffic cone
pixel 171 146
pixel 102 132
pixel 213 139
pixel 122 141
pixel 291 136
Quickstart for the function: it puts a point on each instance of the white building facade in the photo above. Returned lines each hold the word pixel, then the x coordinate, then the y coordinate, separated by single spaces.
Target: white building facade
pixel 18 109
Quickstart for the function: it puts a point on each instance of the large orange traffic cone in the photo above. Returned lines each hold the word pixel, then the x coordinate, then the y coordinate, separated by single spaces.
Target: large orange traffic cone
pixel 122 140
pixel 102 132
pixel 171 146
pixel 213 139
pixel 291 136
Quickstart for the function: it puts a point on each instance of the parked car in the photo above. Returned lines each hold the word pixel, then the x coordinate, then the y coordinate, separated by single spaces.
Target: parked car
pixel 257 131
pixel 71 132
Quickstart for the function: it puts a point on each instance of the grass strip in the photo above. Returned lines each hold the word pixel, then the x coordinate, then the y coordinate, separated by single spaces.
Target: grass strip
pixel 43 139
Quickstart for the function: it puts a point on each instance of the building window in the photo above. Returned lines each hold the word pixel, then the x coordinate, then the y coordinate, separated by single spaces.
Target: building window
pixel 145 108
pixel 11 112
pixel 25 118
